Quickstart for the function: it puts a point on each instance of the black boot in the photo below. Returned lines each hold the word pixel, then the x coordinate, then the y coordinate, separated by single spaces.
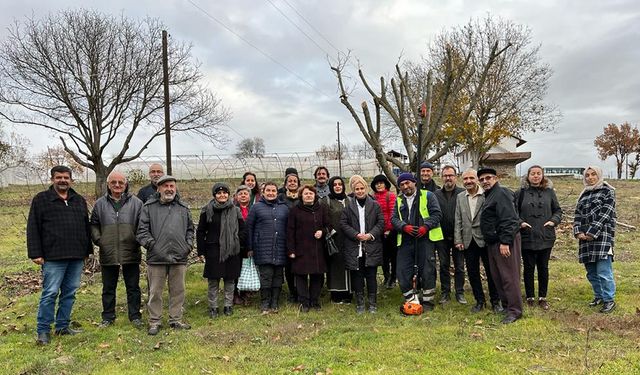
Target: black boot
pixel 373 303
pixel 265 299
pixel 359 302
pixel 275 298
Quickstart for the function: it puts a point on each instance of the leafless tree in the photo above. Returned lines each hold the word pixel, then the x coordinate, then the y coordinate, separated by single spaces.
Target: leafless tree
pixel 250 148
pixel 13 150
pixel 96 81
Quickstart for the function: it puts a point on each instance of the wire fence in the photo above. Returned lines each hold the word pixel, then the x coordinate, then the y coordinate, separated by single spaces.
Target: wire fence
pixel 214 167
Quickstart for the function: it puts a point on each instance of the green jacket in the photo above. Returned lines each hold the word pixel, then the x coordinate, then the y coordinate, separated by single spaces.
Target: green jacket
pixel 113 229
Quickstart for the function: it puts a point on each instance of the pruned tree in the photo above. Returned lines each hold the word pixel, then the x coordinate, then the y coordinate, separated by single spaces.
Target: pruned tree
pixel 634 164
pixel 250 148
pixel 454 75
pixel 53 156
pixel 96 81
pixel 618 142
pixel 13 150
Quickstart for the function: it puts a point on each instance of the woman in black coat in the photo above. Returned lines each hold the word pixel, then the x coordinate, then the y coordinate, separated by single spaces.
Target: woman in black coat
pixel 540 213
pixel 362 223
pixel 338 277
pixel 307 226
pixel 221 240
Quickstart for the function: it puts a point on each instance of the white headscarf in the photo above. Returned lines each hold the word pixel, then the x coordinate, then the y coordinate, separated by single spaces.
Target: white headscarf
pixel 599 184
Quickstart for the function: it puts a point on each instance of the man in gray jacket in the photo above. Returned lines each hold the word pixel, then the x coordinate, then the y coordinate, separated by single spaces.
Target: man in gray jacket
pixel 468 237
pixel 166 231
pixel 114 222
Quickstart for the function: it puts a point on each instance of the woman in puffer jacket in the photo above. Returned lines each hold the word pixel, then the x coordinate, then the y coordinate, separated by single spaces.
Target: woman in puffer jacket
pixel 386 199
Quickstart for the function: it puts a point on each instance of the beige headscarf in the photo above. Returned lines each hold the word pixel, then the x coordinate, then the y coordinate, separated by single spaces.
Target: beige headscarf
pixel 356 179
pixel 599 184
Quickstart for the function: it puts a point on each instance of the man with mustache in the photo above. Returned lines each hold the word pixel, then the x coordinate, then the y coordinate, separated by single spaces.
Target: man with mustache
pixel 58 240
pixel 166 231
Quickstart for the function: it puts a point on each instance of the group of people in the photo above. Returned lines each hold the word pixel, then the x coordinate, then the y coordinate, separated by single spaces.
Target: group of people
pixel 302 232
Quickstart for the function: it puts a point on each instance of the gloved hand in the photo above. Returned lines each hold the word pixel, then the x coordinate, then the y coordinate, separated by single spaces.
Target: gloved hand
pixel 410 230
pixel 422 231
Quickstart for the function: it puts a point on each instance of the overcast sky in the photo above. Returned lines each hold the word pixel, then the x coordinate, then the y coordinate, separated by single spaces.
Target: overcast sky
pixel 593 48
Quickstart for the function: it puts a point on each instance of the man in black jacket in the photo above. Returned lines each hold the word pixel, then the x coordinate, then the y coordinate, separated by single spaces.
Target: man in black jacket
pixel 499 224
pixel 58 239
pixel 426 177
pixel 155 172
pixel 447 197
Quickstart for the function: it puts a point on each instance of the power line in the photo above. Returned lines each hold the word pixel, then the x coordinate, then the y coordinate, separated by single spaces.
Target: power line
pixel 311 26
pixel 297 27
pixel 265 54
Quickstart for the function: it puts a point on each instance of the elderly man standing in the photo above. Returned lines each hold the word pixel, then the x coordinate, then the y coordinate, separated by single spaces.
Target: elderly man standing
pixel 166 231
pixel 447 197
pixel 468 237
pixel 114 222
pixel 500 225
pixel 155 172
pixel 58 240
pixel 418 228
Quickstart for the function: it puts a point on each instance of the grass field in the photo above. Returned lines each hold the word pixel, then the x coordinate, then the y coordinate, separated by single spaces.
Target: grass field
pixel 570 338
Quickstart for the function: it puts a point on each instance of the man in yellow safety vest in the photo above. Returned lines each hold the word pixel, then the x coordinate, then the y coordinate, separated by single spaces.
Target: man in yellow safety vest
pixel 417 232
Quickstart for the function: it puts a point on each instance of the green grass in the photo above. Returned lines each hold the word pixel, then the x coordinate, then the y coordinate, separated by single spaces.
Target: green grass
pixel 570 338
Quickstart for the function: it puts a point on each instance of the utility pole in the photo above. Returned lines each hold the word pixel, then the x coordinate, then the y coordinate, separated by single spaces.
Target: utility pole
pixel 167 114
pixel 339 150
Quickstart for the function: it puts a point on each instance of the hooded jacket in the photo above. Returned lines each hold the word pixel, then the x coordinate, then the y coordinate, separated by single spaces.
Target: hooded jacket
pixel 113 229
pixel 166 231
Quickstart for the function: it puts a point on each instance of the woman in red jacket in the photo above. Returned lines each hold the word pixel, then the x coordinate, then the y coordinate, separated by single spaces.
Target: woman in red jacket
pixel 386 199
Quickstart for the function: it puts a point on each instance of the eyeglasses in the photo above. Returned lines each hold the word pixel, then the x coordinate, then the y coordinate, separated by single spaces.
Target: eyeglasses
pixel 449 176
pixel 117 183
pixel 486 178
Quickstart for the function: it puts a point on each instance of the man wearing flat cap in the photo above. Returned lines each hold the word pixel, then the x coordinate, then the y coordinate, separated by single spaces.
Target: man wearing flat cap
pixel 499 224
pixel 166 231
pixel 418 228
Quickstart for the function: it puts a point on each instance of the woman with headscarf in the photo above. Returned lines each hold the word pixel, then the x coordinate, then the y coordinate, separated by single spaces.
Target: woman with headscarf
pixel 338 277
pixel 250 180
pixel 540 213
pixel 307 226
pixel 386 199
pixel 362 223
pixel 267 243
pixel 594 226
pixel 221 240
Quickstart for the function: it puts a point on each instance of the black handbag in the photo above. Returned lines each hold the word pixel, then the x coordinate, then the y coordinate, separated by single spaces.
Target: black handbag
pixel 332 248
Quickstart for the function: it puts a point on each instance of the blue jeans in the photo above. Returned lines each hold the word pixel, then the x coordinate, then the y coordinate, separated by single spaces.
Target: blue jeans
pixel 59 277
pixel 600 275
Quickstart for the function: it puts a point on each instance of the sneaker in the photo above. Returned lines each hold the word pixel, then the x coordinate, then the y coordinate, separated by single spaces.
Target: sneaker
pixel 106 323
pixel 608 307
pixel 478 307
pixel 531 302
pixel 460 298
pixel 596 301
pixel 137 323
pixel 179 325
pixel 304 308
pixel 445 298
pixel 154 329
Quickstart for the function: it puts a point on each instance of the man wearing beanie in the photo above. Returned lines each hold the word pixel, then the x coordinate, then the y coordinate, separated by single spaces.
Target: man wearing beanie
pixel 418 228
pixel 500 224
pixel 426 177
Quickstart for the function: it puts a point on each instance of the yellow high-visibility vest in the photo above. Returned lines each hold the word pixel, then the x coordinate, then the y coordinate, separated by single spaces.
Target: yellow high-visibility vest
pixel 435 234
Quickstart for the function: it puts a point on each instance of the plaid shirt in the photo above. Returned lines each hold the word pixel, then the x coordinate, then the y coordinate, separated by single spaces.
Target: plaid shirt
pixel 596 216
pixel 58 229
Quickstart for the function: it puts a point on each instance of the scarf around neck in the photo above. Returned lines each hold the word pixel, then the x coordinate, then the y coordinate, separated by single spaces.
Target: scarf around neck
pixel 229 216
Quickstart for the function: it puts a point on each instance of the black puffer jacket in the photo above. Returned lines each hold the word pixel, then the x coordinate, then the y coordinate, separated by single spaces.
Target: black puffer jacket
pixel 499 221
pixel 350 225
pixel 537 206
pixel 114 228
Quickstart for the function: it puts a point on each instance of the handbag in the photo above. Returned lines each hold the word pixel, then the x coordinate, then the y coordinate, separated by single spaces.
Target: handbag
pixel 332 248
pixel 249 279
